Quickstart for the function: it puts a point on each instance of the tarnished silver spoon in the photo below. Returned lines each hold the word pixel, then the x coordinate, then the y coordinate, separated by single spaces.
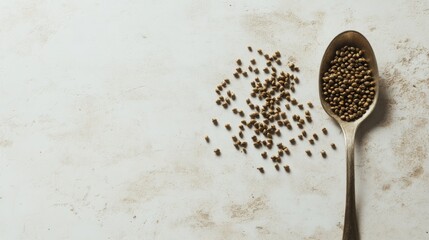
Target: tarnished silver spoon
pixel 352 39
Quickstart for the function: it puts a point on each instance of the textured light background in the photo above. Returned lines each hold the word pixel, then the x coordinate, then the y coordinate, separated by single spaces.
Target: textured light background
pixel 104 106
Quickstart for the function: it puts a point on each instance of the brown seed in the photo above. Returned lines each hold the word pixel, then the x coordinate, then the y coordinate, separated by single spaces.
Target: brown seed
pixel 227 81
pixel 253 61
pixel 250 48
pixel 241 127
pixel 287 168
pixel 279 62
pixel 310 104
pixel 300 125
pixel 218 102
pixel 215 122
pixel 236 75
pixel 241 113
pixel 261 170
pixel 228 127
pixel 237 146
pixel 325 131
pixel 333 146
pixel 234 139
pixel 264 155
pixel 225 105
pixel 315 136
pixel 277 167
pixel 300 106
pixel 217 91
pixel 308 152
pixel 256 71
pixel 234 110
pixel 292 141
pixel 245 74
pixel 323 153
pixel 277 54
pixel 244 151
pixel 287 106
pixel 260 52
pixel 311 141
pixel 239 63
pixel 266 70
pixel 217 152
pixel 304 133
pixel 300 137
pixel 240 134
pixel 286 150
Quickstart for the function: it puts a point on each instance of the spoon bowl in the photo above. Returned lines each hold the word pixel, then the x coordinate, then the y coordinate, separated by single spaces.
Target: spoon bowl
pixel 351 39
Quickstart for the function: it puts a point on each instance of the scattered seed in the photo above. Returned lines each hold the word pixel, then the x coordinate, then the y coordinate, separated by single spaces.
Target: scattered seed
pixel 333 146
pixel 239 64
pixel 207 139
pixel 234 139
pixel 261 170
pixel 227 81
pixel 286 150
pixel 304 133
pixel 287 168
pixel 215 122
pixel 311 141
pixel 260 52
pixel 217 152
pixel 325 131
pixel 300 137
pixel 308 152
pixel 277 167
pixel 315 137
pixel 310 104
pixel 300 106
pixel 236 75
pixel 292 141
pixel 250 48
pixel 323 153
pixel 245 74
pixel 240 134
pixel 228 127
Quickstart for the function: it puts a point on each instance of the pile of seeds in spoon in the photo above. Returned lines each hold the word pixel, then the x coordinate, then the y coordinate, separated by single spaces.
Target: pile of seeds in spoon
pixel 269 117
pixel 348 85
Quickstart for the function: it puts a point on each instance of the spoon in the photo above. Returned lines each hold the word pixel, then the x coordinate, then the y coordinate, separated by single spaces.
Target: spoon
pixel 352 39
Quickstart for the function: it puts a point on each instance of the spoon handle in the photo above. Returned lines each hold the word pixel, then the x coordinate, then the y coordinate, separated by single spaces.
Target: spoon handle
pixel 350 221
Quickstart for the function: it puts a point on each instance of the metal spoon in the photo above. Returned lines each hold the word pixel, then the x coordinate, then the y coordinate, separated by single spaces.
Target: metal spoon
pixel 352 39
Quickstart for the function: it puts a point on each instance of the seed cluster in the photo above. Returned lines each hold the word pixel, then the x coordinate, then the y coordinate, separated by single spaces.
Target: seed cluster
pixel 348 85
pixel 271 104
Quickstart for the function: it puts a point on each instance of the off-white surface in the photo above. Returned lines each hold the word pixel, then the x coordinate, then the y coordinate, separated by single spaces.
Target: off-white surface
pixel 104 106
